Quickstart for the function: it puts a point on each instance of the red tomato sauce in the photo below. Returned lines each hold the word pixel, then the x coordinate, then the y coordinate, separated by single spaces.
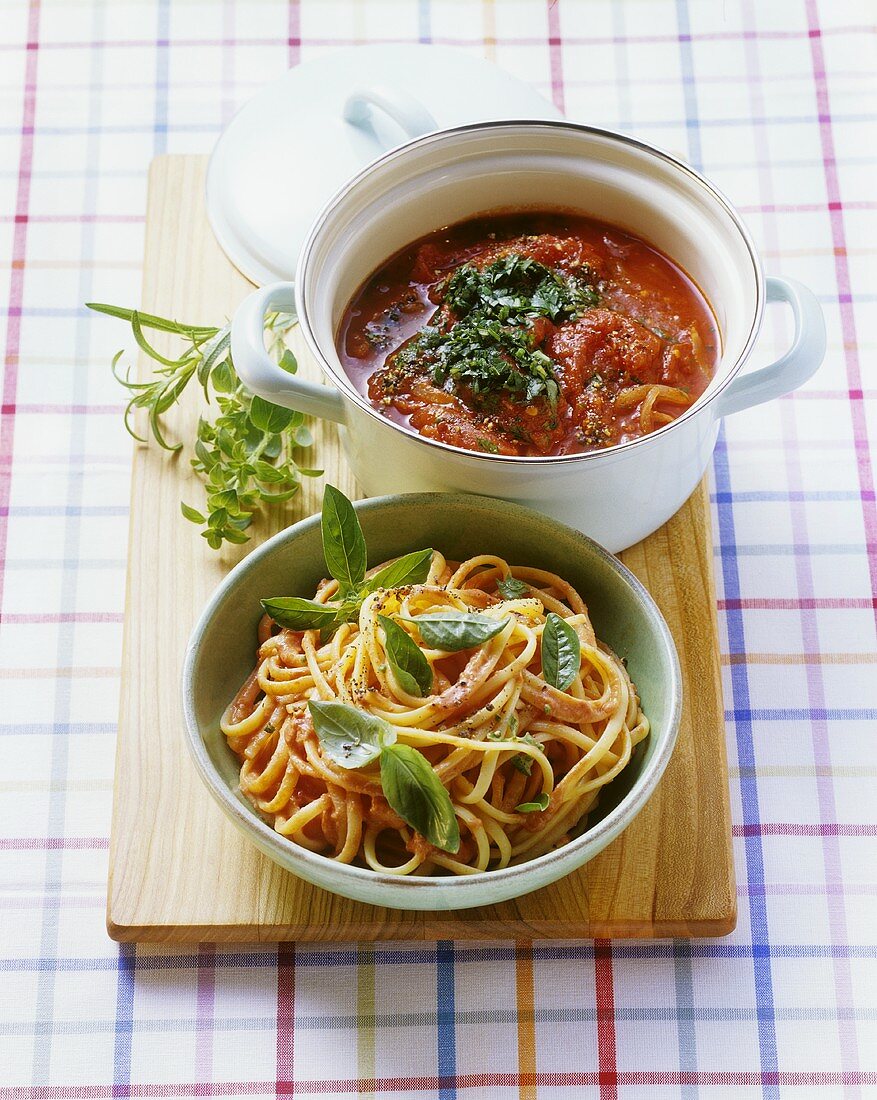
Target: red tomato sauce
pixel 632 344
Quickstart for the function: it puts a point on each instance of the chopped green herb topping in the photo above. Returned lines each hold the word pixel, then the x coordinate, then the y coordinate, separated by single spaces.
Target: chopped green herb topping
pixel 490 345
pixel 516 289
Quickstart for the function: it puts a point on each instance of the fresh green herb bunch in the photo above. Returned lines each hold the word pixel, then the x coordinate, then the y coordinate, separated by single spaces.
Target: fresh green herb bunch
pixel 246 454
pixel 490 346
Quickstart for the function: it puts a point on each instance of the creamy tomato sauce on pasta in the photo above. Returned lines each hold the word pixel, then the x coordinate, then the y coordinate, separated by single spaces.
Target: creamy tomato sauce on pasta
pixel 533 333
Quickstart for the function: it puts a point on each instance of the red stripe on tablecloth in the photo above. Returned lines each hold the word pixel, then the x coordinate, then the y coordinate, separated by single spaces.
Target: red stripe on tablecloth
pixel 62 410
pixel 626 1078
pixel 450 40
pixel 795 603
pixel 28 619
pixel 603 983
pixel 47 843
pixel 284 1084
pixel 70 219
pixel 206 1003
pixel 557 93
pixel 791 828
pixel 16 278
pixel 844 287
pixel 293 33
pixel 555 55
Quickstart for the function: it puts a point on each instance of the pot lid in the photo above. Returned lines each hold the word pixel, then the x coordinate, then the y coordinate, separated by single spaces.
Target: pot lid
pixel 295 143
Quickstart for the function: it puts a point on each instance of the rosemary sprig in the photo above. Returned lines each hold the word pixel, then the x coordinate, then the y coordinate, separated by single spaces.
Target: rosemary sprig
pixel 245 455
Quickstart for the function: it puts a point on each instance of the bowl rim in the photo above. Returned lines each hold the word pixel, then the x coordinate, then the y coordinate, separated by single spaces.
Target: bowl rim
pixel 343 381
pixel 288 853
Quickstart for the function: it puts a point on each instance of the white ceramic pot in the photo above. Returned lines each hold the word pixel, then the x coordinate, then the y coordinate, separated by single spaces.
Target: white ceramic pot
pixel 618 495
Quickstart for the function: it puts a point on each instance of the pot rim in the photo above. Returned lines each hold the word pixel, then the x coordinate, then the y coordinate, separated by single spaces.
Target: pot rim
pixel 349 391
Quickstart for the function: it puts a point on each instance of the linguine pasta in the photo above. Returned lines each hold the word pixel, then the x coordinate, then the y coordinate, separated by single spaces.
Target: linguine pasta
pixel 502 740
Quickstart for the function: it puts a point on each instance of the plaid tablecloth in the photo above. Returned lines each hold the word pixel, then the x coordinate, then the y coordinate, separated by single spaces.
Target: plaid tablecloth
pixel 775 101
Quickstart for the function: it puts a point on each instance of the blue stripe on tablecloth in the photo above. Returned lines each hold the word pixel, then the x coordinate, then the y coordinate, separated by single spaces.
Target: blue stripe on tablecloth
pixel 127 959
pixel 621 951
pixel 400 1021
pixel 424 22
pixel 796 714
pixel 685 1030
pixel 315 958
pixel 53 873
pixel 684 1013
pixel 786 550
pixel 124 1024
pixel 689 91
pixel 739 674
pixel 446 1034
pixel 207 128
pixel 55 729
pixel 159 127
pixel 786 495
pixel 742 717
pixel 41 511
pixel 622 68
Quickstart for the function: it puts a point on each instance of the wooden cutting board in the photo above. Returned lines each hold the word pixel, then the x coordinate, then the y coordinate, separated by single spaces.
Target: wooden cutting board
pixel 180 872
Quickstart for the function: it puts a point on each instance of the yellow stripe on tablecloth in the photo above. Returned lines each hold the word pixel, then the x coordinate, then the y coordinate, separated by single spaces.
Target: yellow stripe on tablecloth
pixel 526 1013
pixel 799 658
pixel 488 9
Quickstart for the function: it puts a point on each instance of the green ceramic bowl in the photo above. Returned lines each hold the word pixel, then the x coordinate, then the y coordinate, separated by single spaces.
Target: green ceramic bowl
pixel 221 654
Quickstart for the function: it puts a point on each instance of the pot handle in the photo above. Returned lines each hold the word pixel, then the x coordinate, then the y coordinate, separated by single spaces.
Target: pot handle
pixel 798 364
pixel 258 371
pixel 406 111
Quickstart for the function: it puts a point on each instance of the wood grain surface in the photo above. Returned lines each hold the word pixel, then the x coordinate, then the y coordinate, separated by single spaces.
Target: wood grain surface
pixel 180 872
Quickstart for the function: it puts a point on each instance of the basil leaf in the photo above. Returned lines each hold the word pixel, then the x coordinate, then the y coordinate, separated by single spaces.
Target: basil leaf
pixel 296 614
pixel 350 737
pixel 561 652
pixel 453 630
pixel 411 568
pixel 511 588
pixel 417 795
pixel 406 658
pixel 268 417
pixel 343 541
pixel 538 806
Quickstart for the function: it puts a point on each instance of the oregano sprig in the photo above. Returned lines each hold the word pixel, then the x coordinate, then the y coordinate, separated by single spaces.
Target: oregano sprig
pixel 246 454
